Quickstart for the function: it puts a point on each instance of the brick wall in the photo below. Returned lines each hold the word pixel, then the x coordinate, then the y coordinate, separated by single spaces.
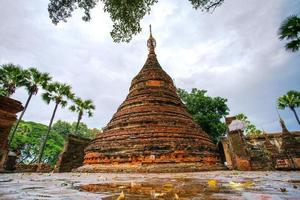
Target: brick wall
pixel 72 155
pixel 265 152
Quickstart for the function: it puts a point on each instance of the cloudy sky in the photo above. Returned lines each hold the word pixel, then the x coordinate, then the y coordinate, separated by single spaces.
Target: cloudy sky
pixel 233 53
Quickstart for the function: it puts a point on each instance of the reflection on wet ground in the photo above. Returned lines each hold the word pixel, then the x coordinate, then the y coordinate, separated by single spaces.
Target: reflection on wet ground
pixel 183 186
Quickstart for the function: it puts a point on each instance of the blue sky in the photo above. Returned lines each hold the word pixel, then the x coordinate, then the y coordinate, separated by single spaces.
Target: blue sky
pixel 233 53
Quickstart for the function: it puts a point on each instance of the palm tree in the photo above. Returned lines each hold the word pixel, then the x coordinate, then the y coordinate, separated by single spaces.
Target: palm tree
pixel 11 77
pixel 33 82
pixel 80 107
pixel 292 100
pixel 58 93
pixel 290 30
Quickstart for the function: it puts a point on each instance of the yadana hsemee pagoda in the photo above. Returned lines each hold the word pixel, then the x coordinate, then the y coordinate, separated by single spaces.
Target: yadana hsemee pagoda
pixel 151 130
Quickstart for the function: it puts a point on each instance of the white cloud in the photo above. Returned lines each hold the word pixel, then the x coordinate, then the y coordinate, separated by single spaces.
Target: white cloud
pixel 233 52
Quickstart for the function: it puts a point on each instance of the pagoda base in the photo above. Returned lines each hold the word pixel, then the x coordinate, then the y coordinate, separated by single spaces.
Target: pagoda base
pixel 150 168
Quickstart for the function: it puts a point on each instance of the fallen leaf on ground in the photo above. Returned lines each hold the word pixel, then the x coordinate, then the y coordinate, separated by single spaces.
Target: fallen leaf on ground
pixel 241 185
pixel 156 195
pixel 212 183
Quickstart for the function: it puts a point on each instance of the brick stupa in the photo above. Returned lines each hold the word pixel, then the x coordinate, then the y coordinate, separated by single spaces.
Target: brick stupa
pixel 151 130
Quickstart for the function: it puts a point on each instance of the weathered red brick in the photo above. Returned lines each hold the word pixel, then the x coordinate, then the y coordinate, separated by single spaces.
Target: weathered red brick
pixel 152 126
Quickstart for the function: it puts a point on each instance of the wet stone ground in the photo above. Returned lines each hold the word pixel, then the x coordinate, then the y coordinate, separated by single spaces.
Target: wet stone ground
pixel 234 185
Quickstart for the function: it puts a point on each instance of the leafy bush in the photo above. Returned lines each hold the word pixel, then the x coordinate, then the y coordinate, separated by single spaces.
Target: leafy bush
pixel 28 139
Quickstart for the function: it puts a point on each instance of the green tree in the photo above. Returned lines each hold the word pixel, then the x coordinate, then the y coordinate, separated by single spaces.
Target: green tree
pixel 28 138
pixel 94 132
pixel 28 141
pixel 65 128
pixel 59 94
pixel 83 130
pixel 207 111
pixel 81 107
pixel 11 77
pixel 2 91
pixel 125 14
pixel 290 31
pixel 290 100
pixel 34 80
pixel 62 127
pixel 251 129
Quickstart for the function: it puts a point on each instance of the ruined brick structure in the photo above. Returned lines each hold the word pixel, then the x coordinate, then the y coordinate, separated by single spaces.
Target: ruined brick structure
pixel 73 153
pixel 8 109
pixel 269 151
pixel 26 167
pixel 151 130
pixel 34 167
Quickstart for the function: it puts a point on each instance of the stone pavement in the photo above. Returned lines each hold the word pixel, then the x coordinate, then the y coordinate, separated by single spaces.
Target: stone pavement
pixel 236 185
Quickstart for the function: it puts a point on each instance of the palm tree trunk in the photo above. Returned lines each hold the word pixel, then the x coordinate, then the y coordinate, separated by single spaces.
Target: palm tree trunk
pixel 20 118
pixel 295 113
pixel 47 135
pixel 78 121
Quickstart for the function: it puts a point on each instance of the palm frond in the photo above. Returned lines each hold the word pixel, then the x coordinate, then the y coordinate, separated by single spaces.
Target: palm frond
pixel 3 92
pixel 45 79
pixel 291 99
pixel 293 45
pixel 72 108
pixel 60 92
pixel 12 76
pixel 63 103
pixel 90 114
pixel 289 28
pixel 81 106
pixel 47 97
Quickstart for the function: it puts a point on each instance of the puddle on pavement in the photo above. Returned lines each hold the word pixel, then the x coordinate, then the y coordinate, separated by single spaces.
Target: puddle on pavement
pixel 162 189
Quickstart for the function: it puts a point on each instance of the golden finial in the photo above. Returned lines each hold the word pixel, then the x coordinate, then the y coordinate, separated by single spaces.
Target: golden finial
pixel 151 43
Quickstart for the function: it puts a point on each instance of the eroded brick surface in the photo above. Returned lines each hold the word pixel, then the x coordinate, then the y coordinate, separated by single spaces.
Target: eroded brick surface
pixel 264 152
pixel 8 110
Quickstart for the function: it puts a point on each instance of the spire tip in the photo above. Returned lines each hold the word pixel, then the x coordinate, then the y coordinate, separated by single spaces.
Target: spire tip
pixel 151 43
